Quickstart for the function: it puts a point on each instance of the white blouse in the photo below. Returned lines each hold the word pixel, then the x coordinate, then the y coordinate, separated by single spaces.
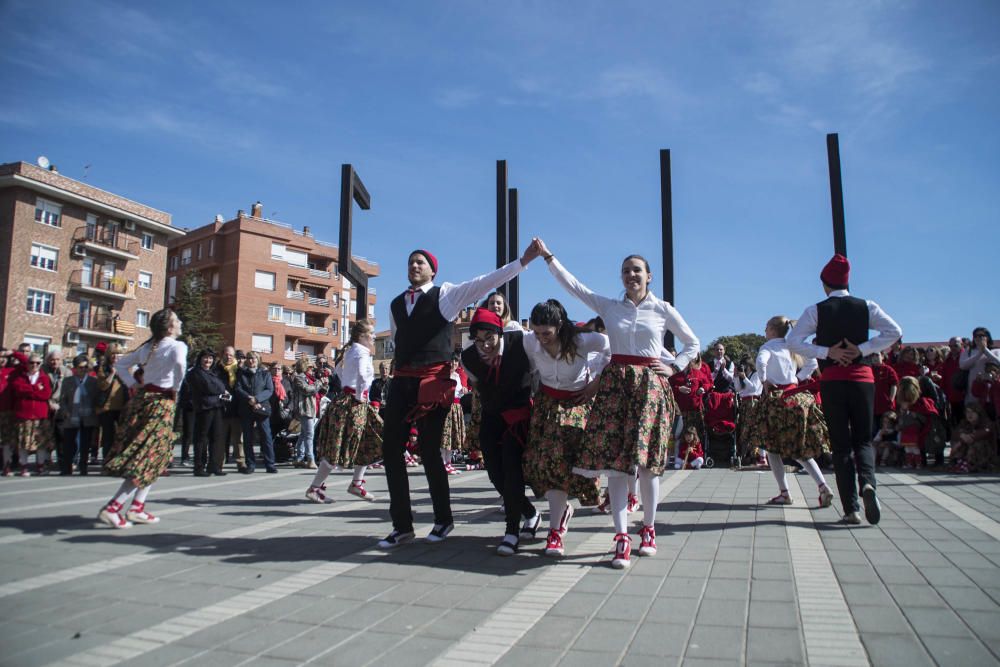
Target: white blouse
pixel 775 363
pixel 357 370
pixel 163 368
pixel 635 330
pixel 593 354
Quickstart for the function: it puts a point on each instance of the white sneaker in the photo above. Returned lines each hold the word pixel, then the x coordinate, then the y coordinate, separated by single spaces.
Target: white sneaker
pixel 395 539
pixel 508 547
pixel 110 515
pixel 315 494
pixel 358 489
pixel 137 514
pixel 530 527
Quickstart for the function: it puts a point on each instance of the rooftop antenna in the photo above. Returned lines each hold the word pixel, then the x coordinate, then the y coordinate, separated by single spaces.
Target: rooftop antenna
pixel 43 162
pixel 86 169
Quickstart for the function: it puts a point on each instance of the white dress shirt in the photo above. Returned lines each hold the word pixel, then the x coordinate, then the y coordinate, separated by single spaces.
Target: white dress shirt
pixel 888 331
pixel 727 368
pixel 808 368
pixel 775 363
pixel 163 368
pixel 357 370
pixel 975 362
pixel 593 354
pixel 751 386
pixel 635 330
pixel 453 298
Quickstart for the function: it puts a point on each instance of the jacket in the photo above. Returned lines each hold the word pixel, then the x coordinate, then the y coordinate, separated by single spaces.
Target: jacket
pixel 75 415
pixel 258 384
pixel 205 389
pixel 304 396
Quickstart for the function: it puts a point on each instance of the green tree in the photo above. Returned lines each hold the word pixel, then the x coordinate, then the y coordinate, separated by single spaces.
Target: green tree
pixel 192 307
pixel 739 345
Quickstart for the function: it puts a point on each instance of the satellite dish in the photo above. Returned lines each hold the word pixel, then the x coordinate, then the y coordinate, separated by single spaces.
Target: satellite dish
pixel 43 162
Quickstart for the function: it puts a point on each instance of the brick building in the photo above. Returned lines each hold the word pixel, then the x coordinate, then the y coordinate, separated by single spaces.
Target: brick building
pixel 272 288
pixel 79 265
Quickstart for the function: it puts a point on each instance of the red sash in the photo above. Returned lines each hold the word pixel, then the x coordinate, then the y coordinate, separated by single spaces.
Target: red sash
pixel 558 394
pixel 629 360
pixel 436 390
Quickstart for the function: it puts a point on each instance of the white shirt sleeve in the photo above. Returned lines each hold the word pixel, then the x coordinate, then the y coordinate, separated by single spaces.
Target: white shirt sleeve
pixel 569 282
pixel 123 368
pixel 455 297
pixel 888 331
pixel 596 347
pixel 180 351
pixel 796 338
pixel 763 355
pixel 677 326
pixel 808 368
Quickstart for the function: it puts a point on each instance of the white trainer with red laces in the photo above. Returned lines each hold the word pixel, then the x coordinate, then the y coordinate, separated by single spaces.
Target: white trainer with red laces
pixel 110 514
pixel 623 551
pixel 451 470
pixel 554 545
pixel 647 546
pixel 137 514
pixel 357 488
pixel 316 495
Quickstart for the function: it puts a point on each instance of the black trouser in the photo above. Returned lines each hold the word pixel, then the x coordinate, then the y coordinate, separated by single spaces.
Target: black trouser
pixel 69 448
pixel 402 398
pixel 503 453
pixel 258 428
pixel 848 408
pixel 109 424
pixel 209 447
pixel 187 433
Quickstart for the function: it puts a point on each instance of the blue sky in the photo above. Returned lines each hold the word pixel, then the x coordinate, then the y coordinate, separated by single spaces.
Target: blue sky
pixel 203 108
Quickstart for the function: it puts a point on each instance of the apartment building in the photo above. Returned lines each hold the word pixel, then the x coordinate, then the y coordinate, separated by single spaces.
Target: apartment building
pixel 80 265
pixel 272 288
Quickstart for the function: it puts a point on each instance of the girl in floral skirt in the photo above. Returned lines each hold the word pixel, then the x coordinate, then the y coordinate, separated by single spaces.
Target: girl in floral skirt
pixel 350 432
pixel 569 363
pixel 144 440
pixel 787 423
pixel 630 425
pixel 453 435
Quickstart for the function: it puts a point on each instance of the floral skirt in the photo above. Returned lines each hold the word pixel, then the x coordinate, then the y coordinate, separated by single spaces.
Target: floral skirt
pixel 350 433
pixel 453 435
pixel 630 424
pixel 472 429
pixel 8 434
pixel 981 455
pixel 554 441
pixel 697 419
pixel 34 435
pixel 790 426
pixel 144 440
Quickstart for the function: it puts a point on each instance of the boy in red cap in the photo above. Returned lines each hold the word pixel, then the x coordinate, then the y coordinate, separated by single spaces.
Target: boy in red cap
pixel 841 324
pixel 422 391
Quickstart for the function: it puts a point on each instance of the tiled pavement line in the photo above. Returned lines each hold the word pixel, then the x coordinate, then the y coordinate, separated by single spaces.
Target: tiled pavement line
pixel 959 509
pixel 831 636
pixel 110 564
pixel 956 617
pixel 488 642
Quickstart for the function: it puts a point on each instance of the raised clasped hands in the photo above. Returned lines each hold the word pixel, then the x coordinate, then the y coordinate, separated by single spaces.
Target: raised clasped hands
pixel 533 250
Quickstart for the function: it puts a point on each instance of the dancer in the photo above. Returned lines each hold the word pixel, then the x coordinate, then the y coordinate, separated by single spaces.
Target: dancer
pixel 422 391
pixel 498 365
pixel 144 442
pixel 349 434
pixel 841 324
pixel 631 424
pixel 569 363
pixel 787 424
pixel 31 389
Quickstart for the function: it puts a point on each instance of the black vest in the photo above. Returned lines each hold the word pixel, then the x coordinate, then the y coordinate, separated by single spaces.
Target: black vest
pixel 841 317
pixel 424 336
pixel 511 391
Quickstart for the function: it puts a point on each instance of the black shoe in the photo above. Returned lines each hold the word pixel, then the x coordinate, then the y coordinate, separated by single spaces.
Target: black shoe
pixel 220 473
pixel 530 527
pixel 873 509
pixel 272 470
pixel 440 532
pixel 247 471
pixel 201 473
pixel 508 547
pixel 395 539
pixel 241 469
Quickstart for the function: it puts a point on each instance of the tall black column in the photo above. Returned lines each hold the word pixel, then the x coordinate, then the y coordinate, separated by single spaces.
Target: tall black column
pixel 667 236
pixel 836 195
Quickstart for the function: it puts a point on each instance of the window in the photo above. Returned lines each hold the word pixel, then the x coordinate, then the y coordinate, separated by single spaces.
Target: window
pixel 199 251
pixel 142 319
pixel 40 302
pixel 296 258
pixel 215 280
pixel 174 262
pixel 263 280
pixel 171 288
pixel 211 247
pixel 186 256
pixel 147 241
pixel 145 280
pixel 261 343
pixel 333 300
pixel 44 257
pixel 48 213
pixel 91 226
pixel 333 327
pixel 336 271
pixel 278 251
pixel 274 313
pixel 39 344
pixel 371 311
pixel 295 318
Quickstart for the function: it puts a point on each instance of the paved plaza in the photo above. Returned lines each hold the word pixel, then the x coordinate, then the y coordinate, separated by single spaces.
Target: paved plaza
pixel 242 571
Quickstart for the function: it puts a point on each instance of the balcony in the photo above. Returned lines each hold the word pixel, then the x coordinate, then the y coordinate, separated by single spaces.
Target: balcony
pixel 296 295
pixel 100 284
pixel 106 241
pixel 316 301
pixel 99 323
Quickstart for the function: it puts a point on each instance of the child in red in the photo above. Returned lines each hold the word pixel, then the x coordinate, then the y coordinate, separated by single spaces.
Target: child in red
pixel 692 456
pixel 411 448
pixel 916 413
pixel 886 441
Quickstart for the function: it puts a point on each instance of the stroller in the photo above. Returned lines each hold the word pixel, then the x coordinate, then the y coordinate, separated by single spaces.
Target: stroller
pixel 720 412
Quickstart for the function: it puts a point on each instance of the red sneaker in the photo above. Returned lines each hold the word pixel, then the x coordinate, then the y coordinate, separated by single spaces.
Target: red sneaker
pixel 633 503
pixel 554 545
pixel 648 545
pixel 623 550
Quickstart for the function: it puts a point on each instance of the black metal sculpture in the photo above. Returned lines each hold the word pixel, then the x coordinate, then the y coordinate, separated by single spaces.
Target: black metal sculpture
pixel 352 190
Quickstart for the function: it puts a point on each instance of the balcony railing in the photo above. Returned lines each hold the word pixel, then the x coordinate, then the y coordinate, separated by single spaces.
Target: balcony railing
pixel 318 330
pixel 319 274
pixel 289 355
pixel 293 294
pixel 100 322
pixel 100 282
pixel 107 239
pixel 315 301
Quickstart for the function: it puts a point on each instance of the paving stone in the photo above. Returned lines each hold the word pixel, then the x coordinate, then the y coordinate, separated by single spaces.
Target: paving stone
pixel 764 614
pixel 530 655
pixel 959 651
pixel 775 645
pixel 709 641
pixel 883 620
pixel 552 631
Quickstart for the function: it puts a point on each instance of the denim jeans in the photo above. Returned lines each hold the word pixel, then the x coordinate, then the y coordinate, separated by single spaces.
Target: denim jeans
pixel 304 445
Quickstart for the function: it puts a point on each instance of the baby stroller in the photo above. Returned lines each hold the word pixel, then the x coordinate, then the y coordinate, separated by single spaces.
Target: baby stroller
pixel 720 426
